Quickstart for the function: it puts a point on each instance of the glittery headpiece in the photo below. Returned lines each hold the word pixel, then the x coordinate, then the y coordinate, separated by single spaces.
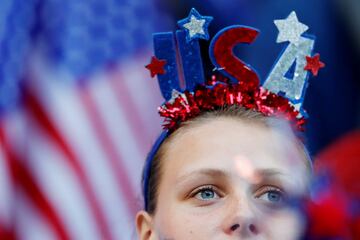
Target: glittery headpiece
pixel 177 62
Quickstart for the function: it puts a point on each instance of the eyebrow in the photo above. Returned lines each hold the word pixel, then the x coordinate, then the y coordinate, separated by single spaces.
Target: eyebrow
pixel 268 172
pixel 209 172
pixel 223 174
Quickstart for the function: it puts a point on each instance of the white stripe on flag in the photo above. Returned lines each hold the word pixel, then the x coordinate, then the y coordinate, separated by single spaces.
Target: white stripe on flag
pixel 6 191
pixel 63 104
pixel 29 224
pixel 145 93
pixel 118 129
pixel 59 183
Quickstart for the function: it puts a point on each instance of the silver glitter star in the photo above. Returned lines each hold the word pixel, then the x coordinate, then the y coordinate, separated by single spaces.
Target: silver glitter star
pixel 175 94
pixel 195 26
pixel 298 108
pixel 290 29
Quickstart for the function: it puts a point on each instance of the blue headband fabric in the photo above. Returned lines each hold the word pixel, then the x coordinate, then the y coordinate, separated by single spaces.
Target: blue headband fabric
pixel 148 164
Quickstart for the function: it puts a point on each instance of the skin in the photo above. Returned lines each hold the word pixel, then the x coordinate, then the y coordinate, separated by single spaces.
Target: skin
pixel 228 179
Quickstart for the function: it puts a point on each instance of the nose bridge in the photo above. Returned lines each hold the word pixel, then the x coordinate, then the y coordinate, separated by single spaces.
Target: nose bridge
pixel 241 216
pixel 243 205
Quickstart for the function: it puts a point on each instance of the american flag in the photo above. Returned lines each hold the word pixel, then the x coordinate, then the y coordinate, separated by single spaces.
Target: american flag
pixel 77 116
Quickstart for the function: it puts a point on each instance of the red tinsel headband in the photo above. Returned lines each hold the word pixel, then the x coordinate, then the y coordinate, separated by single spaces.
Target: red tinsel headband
pixel 187 105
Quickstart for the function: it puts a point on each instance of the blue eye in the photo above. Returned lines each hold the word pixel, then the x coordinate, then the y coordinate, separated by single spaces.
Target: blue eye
pixel 206 194
pixel 272 195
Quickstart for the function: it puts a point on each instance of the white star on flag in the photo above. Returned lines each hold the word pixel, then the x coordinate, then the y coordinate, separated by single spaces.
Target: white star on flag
pixel 290 29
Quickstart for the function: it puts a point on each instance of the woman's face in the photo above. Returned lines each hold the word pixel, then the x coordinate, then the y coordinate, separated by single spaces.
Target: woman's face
pixel 227 179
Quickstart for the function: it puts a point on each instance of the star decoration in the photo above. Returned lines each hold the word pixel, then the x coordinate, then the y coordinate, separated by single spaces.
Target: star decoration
pixel 195 25
pixel 298 108
pixel 314 64
pixel 175 94
pixel 290 29
pixel 156 66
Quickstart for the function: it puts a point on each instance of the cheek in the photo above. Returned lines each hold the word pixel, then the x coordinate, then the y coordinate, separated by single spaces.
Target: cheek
pixel 185 222
pixel 285 224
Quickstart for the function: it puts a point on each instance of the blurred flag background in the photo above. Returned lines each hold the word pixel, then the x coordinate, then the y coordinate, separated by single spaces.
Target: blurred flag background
pixel 78 108
pixel 78 113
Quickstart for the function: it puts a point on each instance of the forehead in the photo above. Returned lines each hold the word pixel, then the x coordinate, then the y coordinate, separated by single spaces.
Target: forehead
pixel 227 143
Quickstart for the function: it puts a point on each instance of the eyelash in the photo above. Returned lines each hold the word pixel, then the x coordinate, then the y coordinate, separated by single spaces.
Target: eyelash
pixel 204 188
pixel 268 188
pixel 260 192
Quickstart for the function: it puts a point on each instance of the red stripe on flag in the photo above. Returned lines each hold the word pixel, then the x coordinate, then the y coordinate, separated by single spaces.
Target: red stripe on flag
pixel 131 113
pixel 115 160
pixel 7 233
pixel 23 178
pixel 38 113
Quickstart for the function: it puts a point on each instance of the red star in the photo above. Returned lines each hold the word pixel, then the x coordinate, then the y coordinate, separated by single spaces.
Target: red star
pixel 314 64
pixel 156 66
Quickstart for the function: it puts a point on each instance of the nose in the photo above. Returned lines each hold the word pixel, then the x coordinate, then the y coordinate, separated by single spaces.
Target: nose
pixel 241 220
pixel 245 229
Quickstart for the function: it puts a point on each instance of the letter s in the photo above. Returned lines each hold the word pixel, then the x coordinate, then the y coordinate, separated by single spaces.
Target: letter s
pixel 222 56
